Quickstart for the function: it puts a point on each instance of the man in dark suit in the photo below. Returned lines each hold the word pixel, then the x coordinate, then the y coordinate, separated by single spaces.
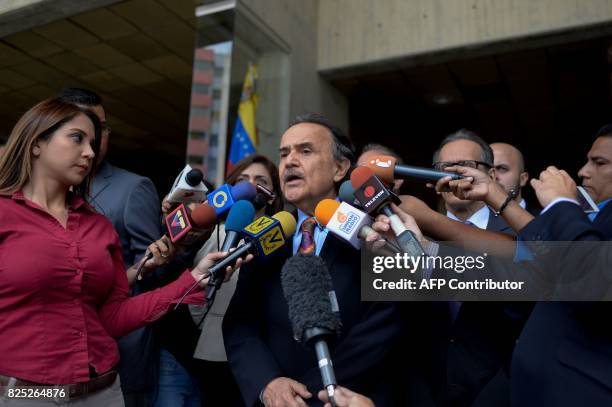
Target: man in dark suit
pixel 269 365
pixel 131 203
pixel 481 336
pixel 564 355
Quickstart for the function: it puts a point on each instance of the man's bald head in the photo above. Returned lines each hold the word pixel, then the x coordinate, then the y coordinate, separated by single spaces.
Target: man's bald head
pixel 509 167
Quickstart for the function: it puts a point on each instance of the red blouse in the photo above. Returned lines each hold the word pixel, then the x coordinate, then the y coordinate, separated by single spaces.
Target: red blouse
pixel 64 293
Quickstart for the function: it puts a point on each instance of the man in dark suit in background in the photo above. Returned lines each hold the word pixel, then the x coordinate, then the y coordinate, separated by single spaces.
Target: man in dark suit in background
pixel 269 365
pixel 131 203
pixel 481 336
pixel 564 355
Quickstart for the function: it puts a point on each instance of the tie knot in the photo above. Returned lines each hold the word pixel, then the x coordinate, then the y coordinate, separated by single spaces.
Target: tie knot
pixel 307 245
pixel 308 225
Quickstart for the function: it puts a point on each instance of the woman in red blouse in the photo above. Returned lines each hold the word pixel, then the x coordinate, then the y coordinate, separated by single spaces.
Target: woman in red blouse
pixel 63 288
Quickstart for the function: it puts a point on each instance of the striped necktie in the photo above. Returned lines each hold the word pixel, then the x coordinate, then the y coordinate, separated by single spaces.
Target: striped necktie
pixel 307 244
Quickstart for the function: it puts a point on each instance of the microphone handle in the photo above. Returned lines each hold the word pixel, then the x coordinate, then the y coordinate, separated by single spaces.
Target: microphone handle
pixel 404 237
pixel 231 240
pixel 407 171
pixel 217 272
pixel 326 368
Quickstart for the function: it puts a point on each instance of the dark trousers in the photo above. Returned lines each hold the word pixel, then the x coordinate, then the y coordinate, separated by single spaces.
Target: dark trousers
pixel 217 384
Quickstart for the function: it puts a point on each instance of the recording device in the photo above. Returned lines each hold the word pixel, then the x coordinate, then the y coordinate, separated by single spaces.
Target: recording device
pixel 313 310
pixel 374 196
pixel 263 237
pixel 346 193
pixel 185 227
pixel 226 195
pixel 386 167
pixel 239 217
pixel 188 187
pixel 344 221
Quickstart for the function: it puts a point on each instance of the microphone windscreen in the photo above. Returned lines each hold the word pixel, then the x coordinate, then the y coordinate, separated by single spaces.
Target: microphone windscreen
pixel 244 191
pixel 383 166
pixel 194 177
pixel 360 175
pixel 325 210
pixel 204 216
pixel 240 215
pixel 346 193
pixel 306 286
pixel 287 222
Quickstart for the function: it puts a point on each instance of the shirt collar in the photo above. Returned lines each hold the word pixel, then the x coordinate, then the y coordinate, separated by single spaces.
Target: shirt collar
pixel 480 218
pixel 522 204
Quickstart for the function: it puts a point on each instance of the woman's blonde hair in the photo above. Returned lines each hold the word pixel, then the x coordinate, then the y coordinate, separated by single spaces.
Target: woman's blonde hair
pixel 39 124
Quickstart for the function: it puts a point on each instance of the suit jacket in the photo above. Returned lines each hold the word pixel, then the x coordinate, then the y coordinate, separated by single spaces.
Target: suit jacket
pixel 132 205
pixel 564 355
pixel 259 339
pixel 480 344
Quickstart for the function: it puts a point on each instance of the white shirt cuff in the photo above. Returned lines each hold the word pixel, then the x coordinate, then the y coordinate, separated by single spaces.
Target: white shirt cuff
pixel 556 201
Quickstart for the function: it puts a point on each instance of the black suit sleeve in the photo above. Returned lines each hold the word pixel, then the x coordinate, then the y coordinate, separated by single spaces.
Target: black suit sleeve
pixel 250 359
pixel 579 261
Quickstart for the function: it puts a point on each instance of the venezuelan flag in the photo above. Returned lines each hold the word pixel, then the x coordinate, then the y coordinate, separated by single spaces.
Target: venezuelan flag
pixel 244 137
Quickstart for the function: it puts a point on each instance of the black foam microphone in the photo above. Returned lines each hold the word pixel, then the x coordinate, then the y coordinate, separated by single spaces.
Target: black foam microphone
pixel 313 310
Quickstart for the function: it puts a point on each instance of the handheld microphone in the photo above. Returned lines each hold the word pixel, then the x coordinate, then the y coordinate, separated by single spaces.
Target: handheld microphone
pixel 313 310
pixel 386 167
pixel 226 195
pixel 264 236
pixel 344 221
pixel 346 193
pixel 188 187
pixel 348 223
pixel 186 226
pixel 376 198
pixel 240 215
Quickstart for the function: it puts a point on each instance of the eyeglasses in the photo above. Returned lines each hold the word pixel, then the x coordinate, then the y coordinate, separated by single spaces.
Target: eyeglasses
pixel 442 165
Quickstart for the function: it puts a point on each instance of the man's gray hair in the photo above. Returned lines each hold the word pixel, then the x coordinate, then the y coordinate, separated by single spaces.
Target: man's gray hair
pixel 464 134
pixel 342 147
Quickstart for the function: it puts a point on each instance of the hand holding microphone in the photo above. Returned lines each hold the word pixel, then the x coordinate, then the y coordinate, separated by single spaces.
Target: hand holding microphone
pixel 475 186
pixel 382 226
pixel 376 198
pixel 345 398
pixel 202 274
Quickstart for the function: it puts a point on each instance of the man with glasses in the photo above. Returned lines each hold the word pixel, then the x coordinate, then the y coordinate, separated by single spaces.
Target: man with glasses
pixel 467 149
pixel 480 335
